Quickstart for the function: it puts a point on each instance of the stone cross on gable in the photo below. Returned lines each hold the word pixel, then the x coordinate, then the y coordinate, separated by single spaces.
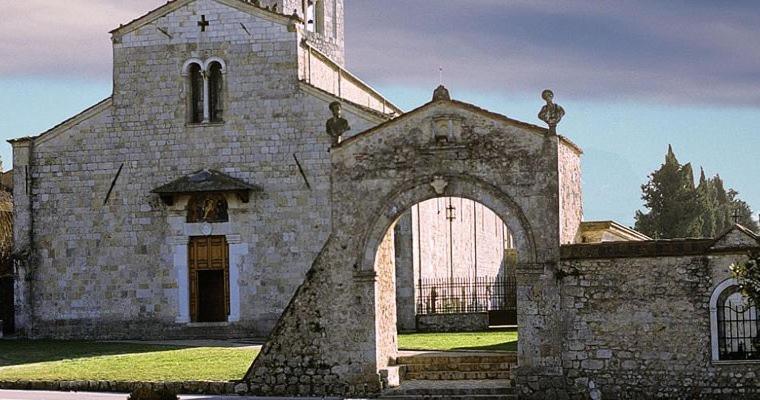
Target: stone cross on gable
pixel 203 23
pixel 737 216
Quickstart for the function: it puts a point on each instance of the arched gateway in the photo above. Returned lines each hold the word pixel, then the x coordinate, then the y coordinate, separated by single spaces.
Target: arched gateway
pixel 338 331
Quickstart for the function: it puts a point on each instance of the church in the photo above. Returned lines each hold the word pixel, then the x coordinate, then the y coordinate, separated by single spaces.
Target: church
pixel 240 181
pixel 192 202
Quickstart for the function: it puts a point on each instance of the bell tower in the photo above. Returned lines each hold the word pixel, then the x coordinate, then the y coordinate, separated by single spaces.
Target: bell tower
pixel 324 24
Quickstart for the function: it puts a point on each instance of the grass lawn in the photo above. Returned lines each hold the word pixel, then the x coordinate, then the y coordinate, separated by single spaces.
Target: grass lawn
pixel 84 361
pixel 493 340
pixel 74 360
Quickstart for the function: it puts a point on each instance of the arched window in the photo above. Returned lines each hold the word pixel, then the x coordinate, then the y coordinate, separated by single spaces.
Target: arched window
pixel 195 97
pixel 216 87
pixel 734 324
pixel 207 207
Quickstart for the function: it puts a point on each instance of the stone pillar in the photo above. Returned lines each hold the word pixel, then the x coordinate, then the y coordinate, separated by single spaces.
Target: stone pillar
pixel 179 246
pixel 406 276
pixel 238 250
pixel 23 247
pixel 385 305
pixel 539 374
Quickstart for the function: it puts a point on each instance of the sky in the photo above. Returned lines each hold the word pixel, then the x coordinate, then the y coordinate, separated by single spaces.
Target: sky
pixel 633 76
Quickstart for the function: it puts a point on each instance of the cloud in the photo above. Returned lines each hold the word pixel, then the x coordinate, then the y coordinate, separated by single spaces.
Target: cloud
pixel 66 39
pixel 674 52
pixel 679 51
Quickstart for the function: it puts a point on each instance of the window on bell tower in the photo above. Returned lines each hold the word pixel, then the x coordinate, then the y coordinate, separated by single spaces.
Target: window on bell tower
pixel 196 93
pixel 204 83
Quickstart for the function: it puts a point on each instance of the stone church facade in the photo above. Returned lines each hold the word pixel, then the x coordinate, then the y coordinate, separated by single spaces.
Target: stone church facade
pixel 209 171
pixel 107 256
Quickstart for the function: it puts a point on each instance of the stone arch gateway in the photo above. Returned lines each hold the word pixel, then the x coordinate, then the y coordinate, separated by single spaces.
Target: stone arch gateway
pixel 333 337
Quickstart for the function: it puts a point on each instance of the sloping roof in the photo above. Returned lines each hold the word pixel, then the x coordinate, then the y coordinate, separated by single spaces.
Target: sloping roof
pixel 173 5
pixel 736 236
pixel 333 97
pixel 470 107
pixel 614 228
pixel 205 180
pixel 82 116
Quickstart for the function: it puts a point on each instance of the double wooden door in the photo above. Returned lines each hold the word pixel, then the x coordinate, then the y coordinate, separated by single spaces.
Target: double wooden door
pixel 209 279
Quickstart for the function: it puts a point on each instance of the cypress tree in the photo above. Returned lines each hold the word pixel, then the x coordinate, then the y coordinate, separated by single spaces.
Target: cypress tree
pixel 678 209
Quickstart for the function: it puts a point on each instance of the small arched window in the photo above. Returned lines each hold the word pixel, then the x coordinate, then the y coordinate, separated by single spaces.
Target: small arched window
pixel 734 324
pixel 207 207
pixel 195 98
pixel 216 90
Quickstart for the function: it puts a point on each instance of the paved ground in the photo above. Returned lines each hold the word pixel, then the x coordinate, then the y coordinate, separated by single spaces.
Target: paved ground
pixel 28 395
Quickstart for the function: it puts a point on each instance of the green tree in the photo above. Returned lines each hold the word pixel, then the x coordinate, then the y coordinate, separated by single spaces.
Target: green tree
pixel 678 209
pixel 671 197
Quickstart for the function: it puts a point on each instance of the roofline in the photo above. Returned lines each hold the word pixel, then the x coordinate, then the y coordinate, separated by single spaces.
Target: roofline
pixel 647 249
pixel 67 124
pixel 577 149
pixel 356 79
pixel 471 107
pixel 620 227
pixel 173 5
pixel 357 108
pixel 741 228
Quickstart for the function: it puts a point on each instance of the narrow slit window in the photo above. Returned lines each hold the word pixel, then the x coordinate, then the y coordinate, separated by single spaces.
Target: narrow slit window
pixel 216 91
pixel 196 94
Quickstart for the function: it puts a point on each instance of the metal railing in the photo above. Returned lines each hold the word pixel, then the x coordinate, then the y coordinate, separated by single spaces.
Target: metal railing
pixel 738 334
pixel 466 295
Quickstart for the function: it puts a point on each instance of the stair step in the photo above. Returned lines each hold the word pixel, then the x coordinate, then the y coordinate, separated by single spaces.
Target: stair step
pixel 447 389
pixel 457 375
pixel 458 359
pixel 453 397
pixel 461 367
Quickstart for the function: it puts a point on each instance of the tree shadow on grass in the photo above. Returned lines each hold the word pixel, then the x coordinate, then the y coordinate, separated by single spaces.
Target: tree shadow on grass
pixel 510 346
pixel 20 352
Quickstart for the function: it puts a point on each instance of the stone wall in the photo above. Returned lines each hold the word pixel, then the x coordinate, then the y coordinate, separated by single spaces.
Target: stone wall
pixel 385 290
pixel 570 192
pixel 118 259
pixel 329 332
pixel 406 274
pixel 470 322
pixel 639 327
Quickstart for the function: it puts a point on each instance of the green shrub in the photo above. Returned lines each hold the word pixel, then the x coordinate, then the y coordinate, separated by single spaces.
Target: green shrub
pixel 747 273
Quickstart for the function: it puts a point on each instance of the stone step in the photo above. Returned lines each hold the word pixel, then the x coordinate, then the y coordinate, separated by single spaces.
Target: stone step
pixel 450 389
pixel 461 367
pixel 452 397
pixel 459 358
pixel 457 375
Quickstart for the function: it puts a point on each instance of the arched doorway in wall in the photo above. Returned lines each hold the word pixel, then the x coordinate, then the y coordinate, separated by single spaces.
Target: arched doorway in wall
pixel 455 268
pixel 477 199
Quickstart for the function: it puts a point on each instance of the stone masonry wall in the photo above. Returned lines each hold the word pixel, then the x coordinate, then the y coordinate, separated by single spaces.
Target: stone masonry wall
pixel 329 332
pixel 571 192
pixel 116 260
pixel 639 328
pixel 385 288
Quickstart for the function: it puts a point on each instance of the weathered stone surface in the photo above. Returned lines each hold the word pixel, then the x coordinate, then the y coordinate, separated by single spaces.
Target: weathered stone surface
pixel 639 328
pixel 470 322
pixel 118 260
pixel 334 325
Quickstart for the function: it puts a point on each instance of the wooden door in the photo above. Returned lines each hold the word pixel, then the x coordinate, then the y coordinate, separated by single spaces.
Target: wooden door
pixel 209 269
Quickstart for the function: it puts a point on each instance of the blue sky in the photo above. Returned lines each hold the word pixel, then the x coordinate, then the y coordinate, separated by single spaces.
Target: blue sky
pixel 632 76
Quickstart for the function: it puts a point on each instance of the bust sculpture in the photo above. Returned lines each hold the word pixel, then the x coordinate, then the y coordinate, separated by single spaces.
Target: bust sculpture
pixel 337 125
pixel 551 113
